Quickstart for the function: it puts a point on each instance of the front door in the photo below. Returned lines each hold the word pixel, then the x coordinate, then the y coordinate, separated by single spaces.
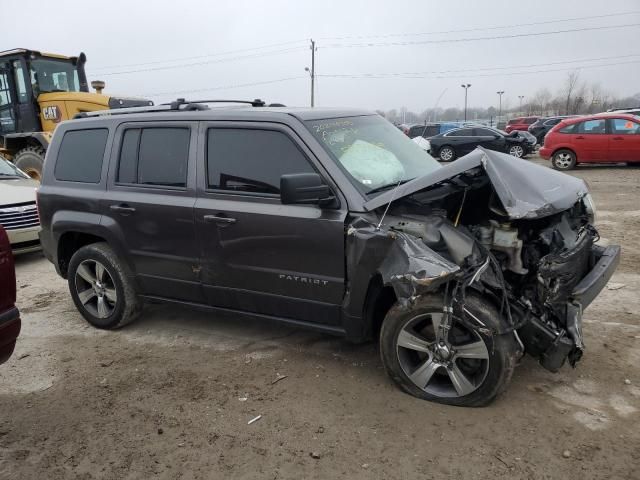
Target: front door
pixel 490 139
pixel 257 254
pixel 624 140
pixel 7 102
pixel 150 202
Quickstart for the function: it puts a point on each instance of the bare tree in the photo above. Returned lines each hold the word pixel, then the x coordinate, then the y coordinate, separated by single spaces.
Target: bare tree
pixel 570 85
pixel 540 101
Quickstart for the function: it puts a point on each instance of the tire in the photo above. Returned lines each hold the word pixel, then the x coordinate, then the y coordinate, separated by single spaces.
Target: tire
pixel 447 154
pixel 516 151
pixel 114 287
pixel 483 377
pixel 563 160
pixel 30 160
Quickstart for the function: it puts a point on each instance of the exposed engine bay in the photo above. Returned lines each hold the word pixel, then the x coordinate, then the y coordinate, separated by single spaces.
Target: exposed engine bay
pixel 458 234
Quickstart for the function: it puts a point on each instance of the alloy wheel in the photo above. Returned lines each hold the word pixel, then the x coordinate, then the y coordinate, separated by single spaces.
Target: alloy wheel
pixel 446 154
pixel 563 160
pixel 516 151
pixel 96 289
pixel 443 367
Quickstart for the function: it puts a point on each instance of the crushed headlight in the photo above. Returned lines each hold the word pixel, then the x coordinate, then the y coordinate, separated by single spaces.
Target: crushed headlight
pixel 590 208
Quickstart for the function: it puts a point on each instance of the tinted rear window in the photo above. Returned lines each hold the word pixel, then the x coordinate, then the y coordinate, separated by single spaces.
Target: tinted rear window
pixel 80 156
pixel 154 156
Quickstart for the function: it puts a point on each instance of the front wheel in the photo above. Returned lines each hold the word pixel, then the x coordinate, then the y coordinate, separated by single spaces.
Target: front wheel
pixel 516 151
pixel 469 367
pixel 102 288
pixel 563 160
pixel 447 154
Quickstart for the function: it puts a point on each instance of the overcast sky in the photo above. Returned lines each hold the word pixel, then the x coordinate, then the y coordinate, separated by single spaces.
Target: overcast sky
pixel 214 44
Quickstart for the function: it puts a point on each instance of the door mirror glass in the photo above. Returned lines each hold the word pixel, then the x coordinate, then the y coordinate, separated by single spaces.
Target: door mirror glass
pixel 305 188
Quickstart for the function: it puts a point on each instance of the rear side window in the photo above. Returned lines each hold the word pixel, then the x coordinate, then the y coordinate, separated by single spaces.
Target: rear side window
pixel 568 129
pixel 247 160
pixel 553 121
pixel 80 155
pixel 463 132
pixel 154 156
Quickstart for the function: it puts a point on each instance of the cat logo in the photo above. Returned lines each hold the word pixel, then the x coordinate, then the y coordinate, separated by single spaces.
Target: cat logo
pixel 52 113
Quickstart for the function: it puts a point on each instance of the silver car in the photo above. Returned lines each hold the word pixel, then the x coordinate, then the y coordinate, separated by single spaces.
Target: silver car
pixel 18 210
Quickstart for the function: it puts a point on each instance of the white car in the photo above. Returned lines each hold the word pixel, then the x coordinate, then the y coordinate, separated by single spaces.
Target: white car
pixel 18 210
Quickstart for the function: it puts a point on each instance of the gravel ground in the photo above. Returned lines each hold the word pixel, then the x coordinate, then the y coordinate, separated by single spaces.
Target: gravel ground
pixel 171 396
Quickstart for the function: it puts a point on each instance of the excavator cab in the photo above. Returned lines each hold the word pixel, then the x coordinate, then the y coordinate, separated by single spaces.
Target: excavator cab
pixel 38 91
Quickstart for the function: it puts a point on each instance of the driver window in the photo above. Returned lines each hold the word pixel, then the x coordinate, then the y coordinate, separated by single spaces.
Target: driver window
pixel 251 160
pixel 622 126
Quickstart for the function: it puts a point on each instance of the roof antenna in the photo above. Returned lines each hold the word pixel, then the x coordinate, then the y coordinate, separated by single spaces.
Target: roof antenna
pixel 393 195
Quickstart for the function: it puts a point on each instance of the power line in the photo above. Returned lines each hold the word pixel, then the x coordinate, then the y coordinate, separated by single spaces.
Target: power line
pixel 474 39
pixel 223 87
pixel 207 62
pixel 579 67
pixel 196 57
pixel 478 29
pixel 466 70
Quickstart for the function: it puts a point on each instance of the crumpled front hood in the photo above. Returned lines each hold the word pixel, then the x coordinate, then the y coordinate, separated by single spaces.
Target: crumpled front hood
pixel 526 190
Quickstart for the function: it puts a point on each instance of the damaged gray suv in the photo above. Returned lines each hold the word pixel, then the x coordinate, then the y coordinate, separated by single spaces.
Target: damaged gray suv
pixel 331 220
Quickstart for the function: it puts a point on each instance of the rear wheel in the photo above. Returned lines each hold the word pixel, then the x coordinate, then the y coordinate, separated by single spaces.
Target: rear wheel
pixel 563 160
pixel 447 154
pixel 467 368
pixel 102 288
pixel 31 160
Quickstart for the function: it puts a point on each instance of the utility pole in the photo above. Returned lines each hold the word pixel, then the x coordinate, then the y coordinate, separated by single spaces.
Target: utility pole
pixel 521 97
pixel 466 89
pixel 500 93
pixel 312 71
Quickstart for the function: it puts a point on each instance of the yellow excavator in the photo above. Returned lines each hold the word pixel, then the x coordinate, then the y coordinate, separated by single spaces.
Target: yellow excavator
pixel 39 90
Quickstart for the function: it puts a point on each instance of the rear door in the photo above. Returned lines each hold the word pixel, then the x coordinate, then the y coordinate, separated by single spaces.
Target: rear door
pixel 624 140
pixel 257 254
pixel 462 140
pixel 591 141
pixel 149 203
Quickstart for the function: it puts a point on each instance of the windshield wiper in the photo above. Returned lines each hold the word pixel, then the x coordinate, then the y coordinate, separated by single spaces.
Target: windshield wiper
pixel 388 186
pixel 9 175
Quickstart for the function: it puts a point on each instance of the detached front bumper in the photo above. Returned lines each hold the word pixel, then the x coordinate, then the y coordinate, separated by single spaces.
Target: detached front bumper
pixel 553 348
pixel 607 260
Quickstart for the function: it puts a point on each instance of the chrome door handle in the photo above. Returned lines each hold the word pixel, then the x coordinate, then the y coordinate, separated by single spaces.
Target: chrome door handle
pixel 218 219
pixel 123 209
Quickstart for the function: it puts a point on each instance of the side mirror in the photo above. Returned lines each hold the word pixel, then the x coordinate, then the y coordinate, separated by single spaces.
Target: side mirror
pixel 305 188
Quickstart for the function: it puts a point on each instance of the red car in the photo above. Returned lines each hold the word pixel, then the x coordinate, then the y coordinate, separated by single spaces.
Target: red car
pixel 9 315
pixel 520 123
pixel 601 138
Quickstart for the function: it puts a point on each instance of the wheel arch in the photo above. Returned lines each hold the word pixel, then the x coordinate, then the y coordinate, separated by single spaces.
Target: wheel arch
pixel 15 142
pixel 70 236
pixel 558 149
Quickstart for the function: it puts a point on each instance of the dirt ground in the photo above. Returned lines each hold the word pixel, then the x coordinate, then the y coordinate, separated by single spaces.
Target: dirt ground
pixel 170 396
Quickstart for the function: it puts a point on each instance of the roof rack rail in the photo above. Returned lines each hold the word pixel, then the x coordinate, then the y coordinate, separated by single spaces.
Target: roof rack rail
pixel 179 104
pixel 175 105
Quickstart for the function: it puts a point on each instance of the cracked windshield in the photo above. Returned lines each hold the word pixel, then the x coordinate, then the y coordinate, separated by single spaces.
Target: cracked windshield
pixel 373 152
